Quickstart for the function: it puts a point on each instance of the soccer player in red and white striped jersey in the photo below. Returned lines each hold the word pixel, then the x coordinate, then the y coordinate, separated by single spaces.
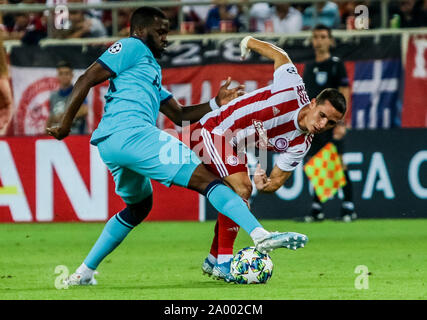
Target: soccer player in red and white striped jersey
pixel 279 117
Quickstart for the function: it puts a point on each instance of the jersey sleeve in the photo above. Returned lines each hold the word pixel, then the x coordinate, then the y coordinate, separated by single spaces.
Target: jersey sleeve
pixel 286 76
pixel 165 95
pixel 287 161
pixel 122 55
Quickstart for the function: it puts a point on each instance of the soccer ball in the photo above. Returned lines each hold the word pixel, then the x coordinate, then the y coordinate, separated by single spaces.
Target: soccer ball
pixel 251 266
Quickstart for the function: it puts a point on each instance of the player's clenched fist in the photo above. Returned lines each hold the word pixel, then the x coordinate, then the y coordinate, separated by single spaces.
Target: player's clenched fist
pixel 260 178
pixel 244 50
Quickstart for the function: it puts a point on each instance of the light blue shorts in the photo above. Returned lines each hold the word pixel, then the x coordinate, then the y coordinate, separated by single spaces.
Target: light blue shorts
pixel 136 155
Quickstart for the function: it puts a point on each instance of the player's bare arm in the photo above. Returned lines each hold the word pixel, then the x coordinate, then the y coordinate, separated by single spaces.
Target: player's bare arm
pixel 268 50
pixel 94 75
pixel 6 103
pixel 179 113
pixel 272 183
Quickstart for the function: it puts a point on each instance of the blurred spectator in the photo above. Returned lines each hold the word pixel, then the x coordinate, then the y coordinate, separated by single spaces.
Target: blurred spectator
pixel 21 21
pixel 27 27
pixel 278 18
pixel 410 13
pixel 123 22
pixel 423 12
pixel 222 17
pixel 241 20
pixel 6 21
pixel 6 100
pixel 58 101
pixel 346 10
pixel 172 15
pixel 83 26
pixel 325 13
pixel 197 14
pixel 260 17
pixel 286 19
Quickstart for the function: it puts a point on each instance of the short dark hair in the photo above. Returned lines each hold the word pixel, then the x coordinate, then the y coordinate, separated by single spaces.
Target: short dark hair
pixel 323 27
pixel 144 17
pixel 63 64
pixel 335 97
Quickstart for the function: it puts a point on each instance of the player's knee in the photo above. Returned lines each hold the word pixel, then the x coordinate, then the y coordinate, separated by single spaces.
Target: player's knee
pixel 201 179
pixel 139 211
pixel 244 190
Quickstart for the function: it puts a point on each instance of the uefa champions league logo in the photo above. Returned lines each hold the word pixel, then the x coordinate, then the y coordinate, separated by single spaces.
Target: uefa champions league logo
pixel 115 48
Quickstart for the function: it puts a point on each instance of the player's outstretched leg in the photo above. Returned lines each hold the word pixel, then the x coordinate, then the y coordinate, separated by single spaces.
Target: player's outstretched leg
pixel 227 202
pixel 211 259
pixel 115 231
pixel 227 233
pixel 274 240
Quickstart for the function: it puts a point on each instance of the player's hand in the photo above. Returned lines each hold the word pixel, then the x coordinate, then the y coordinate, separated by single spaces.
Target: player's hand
pixel 5 115
pixel 339 131
pixel 260 178
pixel 225 95
pixel 244 50
pixel 58 132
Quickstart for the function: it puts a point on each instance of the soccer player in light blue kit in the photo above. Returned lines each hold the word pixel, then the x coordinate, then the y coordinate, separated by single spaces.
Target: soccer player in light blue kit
pixel 135 150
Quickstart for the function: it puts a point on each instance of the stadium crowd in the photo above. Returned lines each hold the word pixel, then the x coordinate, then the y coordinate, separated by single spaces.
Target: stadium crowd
pixel 215 16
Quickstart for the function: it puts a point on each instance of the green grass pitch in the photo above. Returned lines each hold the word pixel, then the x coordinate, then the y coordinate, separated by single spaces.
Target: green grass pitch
pixel 162 260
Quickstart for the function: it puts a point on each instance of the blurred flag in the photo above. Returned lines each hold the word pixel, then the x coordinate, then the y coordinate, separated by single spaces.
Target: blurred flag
pixel 375 94
pixel 325 172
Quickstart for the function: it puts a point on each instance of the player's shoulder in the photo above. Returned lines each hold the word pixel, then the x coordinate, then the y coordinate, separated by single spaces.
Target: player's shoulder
pixel 336 59
pixel 287 68
pixel 126 44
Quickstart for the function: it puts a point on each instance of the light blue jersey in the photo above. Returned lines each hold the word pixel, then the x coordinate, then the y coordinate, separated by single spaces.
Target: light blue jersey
pixel 129 142
pixel 135 93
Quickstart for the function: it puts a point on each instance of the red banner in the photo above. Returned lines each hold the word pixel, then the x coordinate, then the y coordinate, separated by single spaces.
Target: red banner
pixel 414 112
pixel 45 180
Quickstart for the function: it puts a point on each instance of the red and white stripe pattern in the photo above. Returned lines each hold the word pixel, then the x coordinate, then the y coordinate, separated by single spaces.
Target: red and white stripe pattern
pixel 213 153
pixel 278 112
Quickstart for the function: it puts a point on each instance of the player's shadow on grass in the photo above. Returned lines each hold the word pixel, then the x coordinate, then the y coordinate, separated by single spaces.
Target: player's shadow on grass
pixel 182 285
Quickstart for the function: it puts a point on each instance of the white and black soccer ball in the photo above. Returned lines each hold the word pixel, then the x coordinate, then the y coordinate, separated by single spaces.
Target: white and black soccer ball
pixel 251 266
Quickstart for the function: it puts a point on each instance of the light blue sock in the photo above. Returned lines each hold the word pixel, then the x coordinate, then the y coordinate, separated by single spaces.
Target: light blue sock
pixel 113 234
pixel 231 205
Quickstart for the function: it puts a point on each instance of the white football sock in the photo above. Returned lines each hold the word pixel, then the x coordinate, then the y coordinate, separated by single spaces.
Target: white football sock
pixel 211 258
pixel 85 271
pixel 258 233
pixel 224 258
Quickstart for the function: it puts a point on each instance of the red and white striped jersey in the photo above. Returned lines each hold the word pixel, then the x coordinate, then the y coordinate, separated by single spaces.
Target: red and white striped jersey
pixel 268 116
